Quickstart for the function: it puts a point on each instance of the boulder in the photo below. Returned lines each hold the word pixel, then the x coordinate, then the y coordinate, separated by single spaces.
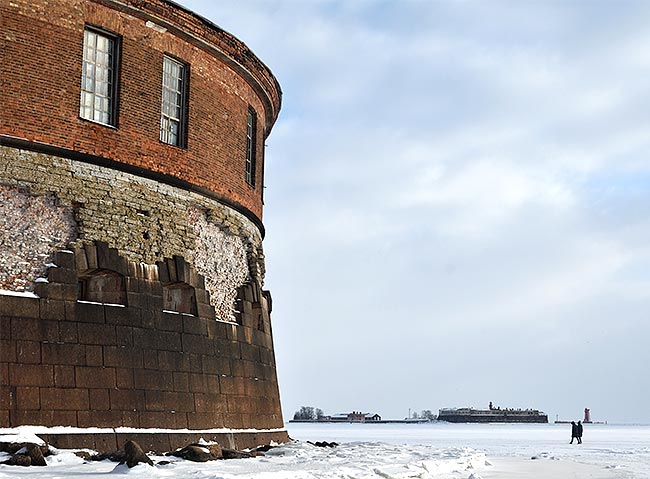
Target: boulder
pixel 85 455
pixel 264 448
pixel 193 453
pixel 115 456
pixel 134 454
pixel 24 454
pixel 14 447
pixel 198 452
pixel 234 454
pixel 19 460
pixel 323 444
pixel 215 450
pixel 35 453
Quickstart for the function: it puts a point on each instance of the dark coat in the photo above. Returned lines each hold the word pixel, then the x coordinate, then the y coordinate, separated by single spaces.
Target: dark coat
pixel 579 429
pixel 574 429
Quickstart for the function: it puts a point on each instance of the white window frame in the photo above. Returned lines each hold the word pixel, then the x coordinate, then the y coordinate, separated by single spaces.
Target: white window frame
pixel 251 146
pixel 99 74
pixel 173 109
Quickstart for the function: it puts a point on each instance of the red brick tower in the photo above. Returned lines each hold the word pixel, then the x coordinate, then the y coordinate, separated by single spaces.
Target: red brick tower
pixel 131 263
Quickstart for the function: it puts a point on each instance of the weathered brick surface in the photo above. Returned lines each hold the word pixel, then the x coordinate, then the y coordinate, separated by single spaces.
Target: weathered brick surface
pixel 19 307
pixel 91 313
pixel 94 377
pixel 7 398
pixel 5 327
pixel 153 380
pixel 78 363
pixel 127 400
pixel 100 334
pixel 204 383
pixel 210 403
pixel 64 376
pixel 62 353
pixel 199 420
pixel 99 400
pixel 153 419
pixel 31 375
pixel 122 357
pixel 64 399
pixel 97 418
pixel 125 378
pixel 28 352
pixel 52 309
pixel 7 351
pixel 94 355
pixel 169 401
pixel 28 398
pixel 219 97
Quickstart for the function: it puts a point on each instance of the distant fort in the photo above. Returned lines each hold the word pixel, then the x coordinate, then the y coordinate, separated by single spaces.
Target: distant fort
pixel 492 414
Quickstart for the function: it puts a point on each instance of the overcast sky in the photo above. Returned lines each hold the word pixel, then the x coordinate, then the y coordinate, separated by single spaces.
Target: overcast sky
pixel 457 203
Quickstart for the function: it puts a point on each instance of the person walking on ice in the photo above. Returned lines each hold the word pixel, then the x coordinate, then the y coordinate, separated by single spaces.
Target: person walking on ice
pixel 579 432
pixel 574 431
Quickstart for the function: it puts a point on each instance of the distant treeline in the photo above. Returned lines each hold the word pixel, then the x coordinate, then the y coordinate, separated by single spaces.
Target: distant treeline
pixel 310 413
pixel 424 414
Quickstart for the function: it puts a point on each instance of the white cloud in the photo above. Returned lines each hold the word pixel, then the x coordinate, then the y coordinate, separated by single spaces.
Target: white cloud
pixel 455 184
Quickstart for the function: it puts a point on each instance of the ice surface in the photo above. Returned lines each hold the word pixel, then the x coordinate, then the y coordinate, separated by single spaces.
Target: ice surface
pixel 436 451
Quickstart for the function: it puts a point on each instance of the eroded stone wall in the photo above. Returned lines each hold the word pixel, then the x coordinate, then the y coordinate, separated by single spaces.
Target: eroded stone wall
pixel 221 259
pixel 32 228
pixel 144 220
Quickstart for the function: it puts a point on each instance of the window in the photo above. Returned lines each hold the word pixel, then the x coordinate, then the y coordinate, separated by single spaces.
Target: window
pixel 179 297
pixel 99 77
pixel 251 131
pixel 173 115
pixel 102 286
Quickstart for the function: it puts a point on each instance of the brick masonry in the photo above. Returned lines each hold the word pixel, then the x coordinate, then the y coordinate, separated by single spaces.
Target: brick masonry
pixel 41 89
pixel 136 302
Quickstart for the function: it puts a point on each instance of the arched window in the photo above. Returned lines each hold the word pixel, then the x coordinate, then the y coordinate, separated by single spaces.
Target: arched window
pixel 102 286
pixel 180 298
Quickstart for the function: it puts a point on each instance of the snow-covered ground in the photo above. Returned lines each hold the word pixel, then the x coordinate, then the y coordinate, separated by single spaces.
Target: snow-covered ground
pixel 617 450
pixel 426 451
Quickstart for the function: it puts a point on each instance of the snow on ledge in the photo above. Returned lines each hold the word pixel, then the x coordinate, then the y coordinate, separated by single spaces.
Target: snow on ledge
pixel 115 305
pixel 179 313
pixel 195 316
pixel 22 294
pixel 31 431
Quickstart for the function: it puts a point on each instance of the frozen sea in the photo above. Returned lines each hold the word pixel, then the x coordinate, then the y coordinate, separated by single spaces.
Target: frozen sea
pixel 622 449
pixel 401 451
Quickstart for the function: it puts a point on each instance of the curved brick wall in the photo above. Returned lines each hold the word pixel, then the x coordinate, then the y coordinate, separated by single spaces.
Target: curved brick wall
pixel 132 271
pixel 41 83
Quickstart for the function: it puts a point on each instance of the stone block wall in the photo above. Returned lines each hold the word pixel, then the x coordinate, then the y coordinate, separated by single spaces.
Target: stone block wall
pixel 68 362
